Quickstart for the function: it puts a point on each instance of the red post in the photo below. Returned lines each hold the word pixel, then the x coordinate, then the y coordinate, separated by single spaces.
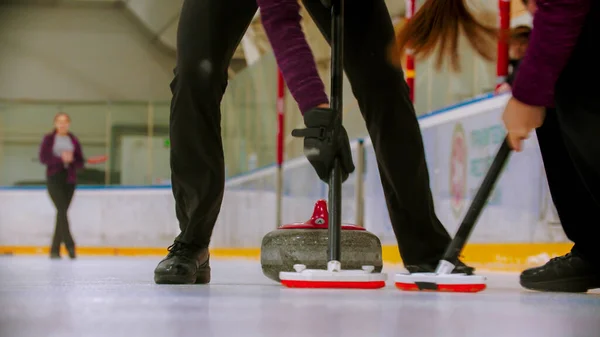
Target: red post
pixel 280 116
pixel 280 145
pixel 410 60
pixel 502 65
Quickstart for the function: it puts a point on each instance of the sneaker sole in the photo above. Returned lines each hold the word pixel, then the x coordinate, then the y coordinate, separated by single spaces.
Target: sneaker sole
pixel 571 285
pixel 455 271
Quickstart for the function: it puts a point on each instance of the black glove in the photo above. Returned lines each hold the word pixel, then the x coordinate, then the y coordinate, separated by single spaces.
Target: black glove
pixel 320 148
pixel 327 3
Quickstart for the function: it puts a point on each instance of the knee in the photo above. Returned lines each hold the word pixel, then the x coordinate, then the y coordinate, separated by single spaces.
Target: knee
pixel 195 69
pixel 202 73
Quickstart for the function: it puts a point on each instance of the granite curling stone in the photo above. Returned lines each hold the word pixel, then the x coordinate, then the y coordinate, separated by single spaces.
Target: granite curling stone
pixel 307 243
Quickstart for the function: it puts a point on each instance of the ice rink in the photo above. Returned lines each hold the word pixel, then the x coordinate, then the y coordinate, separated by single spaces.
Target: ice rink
pixel 117 297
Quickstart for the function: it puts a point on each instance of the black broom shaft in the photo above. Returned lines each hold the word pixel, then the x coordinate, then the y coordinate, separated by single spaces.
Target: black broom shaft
pixel 466 227
pixel 337 77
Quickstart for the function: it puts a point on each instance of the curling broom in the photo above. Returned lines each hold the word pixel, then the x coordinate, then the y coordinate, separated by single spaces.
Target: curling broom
pixel 443 280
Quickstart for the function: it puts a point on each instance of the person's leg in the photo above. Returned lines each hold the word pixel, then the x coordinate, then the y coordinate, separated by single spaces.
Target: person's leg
pixel 208 34
pixel 56 196
pixel 571 197
pixel 68 190
pixel 573 171
pixel 382 94
pixel 575 186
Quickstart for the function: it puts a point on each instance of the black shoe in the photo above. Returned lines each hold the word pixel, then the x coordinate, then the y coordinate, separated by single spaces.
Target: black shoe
pixel 460 268
pixel 185 264
pixel 71 251
pixel 568 273
pixel 54 255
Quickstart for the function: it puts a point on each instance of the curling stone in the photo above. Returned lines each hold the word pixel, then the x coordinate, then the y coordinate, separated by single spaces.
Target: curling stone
pixel 307 243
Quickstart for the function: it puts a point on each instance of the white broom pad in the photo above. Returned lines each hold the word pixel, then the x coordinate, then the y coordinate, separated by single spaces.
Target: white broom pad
pixel 333 276
pixel 451 279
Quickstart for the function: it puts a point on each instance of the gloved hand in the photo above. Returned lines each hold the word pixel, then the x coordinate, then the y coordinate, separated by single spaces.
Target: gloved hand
pixel 327 3
pixel 319 147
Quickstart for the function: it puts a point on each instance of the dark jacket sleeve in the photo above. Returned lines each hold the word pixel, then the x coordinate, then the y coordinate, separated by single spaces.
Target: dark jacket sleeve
pixel 557 25
pixel 78 159
pixel 46 155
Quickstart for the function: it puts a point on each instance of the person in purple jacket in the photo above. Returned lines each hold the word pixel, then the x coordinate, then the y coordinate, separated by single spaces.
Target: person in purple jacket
pixel 61 152
pixel 555 93
pixel 208 34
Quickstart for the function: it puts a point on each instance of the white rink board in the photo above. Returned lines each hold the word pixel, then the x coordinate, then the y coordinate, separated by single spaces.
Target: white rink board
pixel 520 210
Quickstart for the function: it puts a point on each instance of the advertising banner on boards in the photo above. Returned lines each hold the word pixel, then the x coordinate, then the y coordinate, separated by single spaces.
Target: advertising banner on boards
pixel 460 144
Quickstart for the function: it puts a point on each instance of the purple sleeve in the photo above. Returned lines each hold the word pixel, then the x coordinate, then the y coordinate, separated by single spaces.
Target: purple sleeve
pixel 557 25
pixel 46 155
pixel 78 160
pixel 281 19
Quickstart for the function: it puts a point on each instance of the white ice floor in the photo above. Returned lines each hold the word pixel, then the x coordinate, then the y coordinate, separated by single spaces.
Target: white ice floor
pixel 116 297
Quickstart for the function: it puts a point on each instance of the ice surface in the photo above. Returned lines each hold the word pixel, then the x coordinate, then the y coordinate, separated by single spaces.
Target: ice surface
pixel 117 297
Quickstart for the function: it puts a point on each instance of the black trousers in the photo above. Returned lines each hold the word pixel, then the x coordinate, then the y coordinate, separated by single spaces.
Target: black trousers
pixel 61 193
pixel 209 32
pixel 570 143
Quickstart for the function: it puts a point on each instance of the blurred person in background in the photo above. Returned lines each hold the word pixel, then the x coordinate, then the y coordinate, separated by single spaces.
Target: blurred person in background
pixel 530 6
pixel 61 152
pixel 518 43
pixel 208 34
pixel 517 47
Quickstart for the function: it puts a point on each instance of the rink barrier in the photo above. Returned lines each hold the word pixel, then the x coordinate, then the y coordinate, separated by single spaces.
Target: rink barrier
pixel 518 228
pixel 495 257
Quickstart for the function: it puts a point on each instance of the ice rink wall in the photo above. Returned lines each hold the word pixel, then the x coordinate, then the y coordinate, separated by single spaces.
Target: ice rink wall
pixel 519 226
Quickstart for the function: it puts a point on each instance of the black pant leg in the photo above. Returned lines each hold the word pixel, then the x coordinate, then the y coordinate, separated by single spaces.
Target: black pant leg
pixel 68 190
pixel 208 34
pixel 580 127
pixel 383 98
pixel 54 192
pixel 578 115
pixel 58 191
pixel 573 201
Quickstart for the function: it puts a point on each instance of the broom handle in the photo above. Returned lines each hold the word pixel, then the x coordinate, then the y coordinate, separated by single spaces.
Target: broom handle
pixel 466 227
pixel 337 82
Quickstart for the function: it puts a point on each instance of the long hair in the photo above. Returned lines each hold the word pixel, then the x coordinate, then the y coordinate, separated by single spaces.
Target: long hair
pixel 438 24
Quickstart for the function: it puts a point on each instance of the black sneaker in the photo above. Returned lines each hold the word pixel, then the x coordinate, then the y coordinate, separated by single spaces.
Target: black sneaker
pixel 460 268
pixel 72 253
pixel 185 264
pixel 569 273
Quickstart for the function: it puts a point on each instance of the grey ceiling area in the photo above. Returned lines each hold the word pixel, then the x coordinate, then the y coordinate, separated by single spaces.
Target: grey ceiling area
pixel 161 16
pixel 159 19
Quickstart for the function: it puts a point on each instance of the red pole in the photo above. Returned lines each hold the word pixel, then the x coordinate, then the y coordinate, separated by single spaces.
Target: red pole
pixel 410 60
pixel 502 65
pixel 280 116
pixel 280 145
